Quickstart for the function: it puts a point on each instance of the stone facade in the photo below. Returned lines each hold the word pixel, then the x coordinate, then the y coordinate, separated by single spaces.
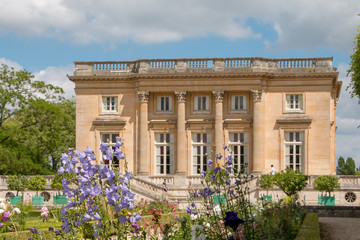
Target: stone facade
pixel 170 112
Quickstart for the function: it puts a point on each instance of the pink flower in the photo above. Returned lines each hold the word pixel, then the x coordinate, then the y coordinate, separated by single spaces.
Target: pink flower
pixel 6 215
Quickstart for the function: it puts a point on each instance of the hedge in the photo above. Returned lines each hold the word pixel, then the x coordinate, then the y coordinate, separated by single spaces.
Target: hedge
pixel 309 229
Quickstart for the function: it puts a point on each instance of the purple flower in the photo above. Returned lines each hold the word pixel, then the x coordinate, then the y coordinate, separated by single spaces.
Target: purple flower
pixel 224 147
pixel 61 170
pixel 218 156
pixel 229 160
pixel 209 162
pixel 232 220
pixel 57 232
pixel 1 225
pixel 30 238
pixel 122 219
pixel 228 169
pixel 34 230
pixel 188 210
pixel 237 182
pixel 216 170
pixel 97 216
pixel 86 217
pixel 203 173
pixel 228 182
pixel 103 147
pixel 88 150
pixel 51 229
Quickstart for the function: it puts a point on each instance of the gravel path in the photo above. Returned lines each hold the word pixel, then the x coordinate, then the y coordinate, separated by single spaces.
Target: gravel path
pixel 337 228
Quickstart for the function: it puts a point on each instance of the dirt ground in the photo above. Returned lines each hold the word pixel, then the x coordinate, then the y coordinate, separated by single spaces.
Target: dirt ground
pixel 337 228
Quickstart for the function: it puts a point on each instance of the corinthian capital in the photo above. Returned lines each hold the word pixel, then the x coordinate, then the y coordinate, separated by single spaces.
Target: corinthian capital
pixel 219 95
pixel 181 96
pixel 256 94
pixel 143 96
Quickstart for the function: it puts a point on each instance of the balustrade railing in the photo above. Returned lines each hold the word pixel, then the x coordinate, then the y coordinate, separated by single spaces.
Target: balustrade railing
pixel 255 64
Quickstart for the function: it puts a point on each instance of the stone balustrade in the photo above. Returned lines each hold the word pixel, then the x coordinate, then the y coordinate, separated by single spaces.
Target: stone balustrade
pixel 203 65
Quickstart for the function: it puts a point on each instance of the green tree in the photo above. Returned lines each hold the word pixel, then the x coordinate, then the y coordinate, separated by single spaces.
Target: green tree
pixel 37 183
pixel 36 124
pixel 266 182
pixel 327 184
pixel 346 167
pixel 290 181
pixel 354 70
pixel 17 183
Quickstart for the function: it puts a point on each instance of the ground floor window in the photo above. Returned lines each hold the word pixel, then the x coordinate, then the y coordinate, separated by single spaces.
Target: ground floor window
pixel 201 149
pixel 238 144
pixel 110 139
pixel 294 147
pixel 164 153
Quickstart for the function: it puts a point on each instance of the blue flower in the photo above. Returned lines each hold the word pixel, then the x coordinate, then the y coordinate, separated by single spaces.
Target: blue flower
pixel 216 170
pixel 51 229
pixel 224 146
pixel 237 182
pixel 203 173
pixel 218 156
pixel 209 162
pixel 232 220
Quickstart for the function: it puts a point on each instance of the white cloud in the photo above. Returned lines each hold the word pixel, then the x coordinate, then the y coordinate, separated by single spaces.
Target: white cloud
pixel 56 76
pixel 305 23
pixel 347 121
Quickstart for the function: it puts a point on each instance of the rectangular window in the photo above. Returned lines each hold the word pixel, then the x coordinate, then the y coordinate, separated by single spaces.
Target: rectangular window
pixel 164 153
pixel 294 142
pixel 238 145
pixel 201 149
pixel 201 103
pixel 110 104
pixel 294 102
pixel 238 103
pixel 110 139
pixel 164 104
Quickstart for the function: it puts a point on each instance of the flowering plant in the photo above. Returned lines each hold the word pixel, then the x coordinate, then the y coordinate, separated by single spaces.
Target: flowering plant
pixel 44 213
pixel 95 191
pixel 8 217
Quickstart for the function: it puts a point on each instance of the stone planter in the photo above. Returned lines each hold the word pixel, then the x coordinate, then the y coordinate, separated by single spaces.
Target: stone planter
pixel 326 200
pixel 60 199
pixel 15 200
pixel 38 200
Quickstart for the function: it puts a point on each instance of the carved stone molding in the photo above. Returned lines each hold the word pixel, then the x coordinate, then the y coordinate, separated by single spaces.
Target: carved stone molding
pixel 256 94
pixel 143 96
pixel 181 96
pixel 336 101
pixel 218 94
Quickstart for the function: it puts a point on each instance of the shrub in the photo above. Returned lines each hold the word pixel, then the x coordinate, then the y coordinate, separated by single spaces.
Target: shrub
pixel 17 183
pixel 327 183
pixel 290 181
pixel 37 184
pixel 266 182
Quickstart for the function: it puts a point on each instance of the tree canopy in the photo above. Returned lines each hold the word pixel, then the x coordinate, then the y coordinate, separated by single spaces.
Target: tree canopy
pixel 354 70
pixel 346 167
pixel 37 124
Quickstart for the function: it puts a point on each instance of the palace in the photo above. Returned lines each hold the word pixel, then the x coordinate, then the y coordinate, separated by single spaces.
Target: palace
pixel 172 112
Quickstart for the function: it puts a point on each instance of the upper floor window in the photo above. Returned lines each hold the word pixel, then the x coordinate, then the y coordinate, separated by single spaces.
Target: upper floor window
pixel 164 104
pixel 294 102
pixel 238 103
pixel 201 103
pixel 110 104
pixel 238 145
pixel 294 148
pixel 164 153
pixel 201 149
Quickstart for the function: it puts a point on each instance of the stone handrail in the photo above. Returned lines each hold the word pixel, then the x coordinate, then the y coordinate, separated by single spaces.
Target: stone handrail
pixel 203 65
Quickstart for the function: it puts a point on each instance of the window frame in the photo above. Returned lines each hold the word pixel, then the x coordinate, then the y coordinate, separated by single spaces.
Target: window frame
pixel 112 136
pixel 233 102
pixel 159 107
pixel 163 145
pixel 294 144
pixel 292 102
pixel 202 156
pixel 242 142
pixel 113 104
pixel 197 104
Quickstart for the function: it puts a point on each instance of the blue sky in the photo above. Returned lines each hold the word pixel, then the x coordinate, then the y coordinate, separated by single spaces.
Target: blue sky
pixel 46 36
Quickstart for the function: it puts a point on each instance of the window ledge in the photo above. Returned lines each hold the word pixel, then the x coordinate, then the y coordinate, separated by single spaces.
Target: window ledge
pixel 109 113
pixel 304 119
pixel 108 122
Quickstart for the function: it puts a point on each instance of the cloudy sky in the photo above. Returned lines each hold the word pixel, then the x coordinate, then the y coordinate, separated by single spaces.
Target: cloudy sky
pixel 46 36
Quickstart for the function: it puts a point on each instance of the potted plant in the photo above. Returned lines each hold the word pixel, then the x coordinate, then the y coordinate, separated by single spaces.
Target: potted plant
pixel 16 183
pixel 290 182
pixel 326 184
pixel 37 183
pixel 266 182
pixel 56 184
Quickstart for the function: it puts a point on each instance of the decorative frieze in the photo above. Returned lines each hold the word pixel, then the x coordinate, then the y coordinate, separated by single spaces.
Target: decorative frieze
pixel 256 94
pixel 181 96
pixel 143 96
pixel 219 95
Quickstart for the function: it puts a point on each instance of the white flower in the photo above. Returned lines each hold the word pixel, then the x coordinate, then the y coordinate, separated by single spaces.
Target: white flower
pixel 44 214
pixel 17 210
pixel 194 217
pixel 2 211
pixel 2 205
pixel 44 209
pixel 217 210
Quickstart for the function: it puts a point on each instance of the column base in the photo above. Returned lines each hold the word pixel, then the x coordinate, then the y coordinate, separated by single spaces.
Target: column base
pixel 143 172
pixel 180 171
pixel 257 171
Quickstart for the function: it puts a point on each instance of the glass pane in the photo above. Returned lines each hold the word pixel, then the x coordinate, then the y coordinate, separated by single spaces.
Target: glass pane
pixel 168 138
pixel 205 138
pixel 162 169
pixel 236 102
pixel 161 160
pixel 204 103
pixel 113 137
pixel 106 138
pixel 236 137
pixel 167 104
pixel 198 103
pixel 198 137
pixel 167 169
pixel 161 138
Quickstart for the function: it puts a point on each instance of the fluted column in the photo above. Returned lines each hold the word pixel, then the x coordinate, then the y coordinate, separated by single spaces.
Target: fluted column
pixel 181 159
pixel 258 132
pixel 143 167
pixel 219 133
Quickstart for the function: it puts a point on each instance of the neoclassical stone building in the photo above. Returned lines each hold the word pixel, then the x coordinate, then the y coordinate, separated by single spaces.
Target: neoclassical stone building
pixel 171 113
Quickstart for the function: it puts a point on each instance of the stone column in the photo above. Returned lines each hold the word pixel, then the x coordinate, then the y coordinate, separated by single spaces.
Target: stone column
pixel 219 133
pixel 143 167
pixel 258 133
pixel 181 158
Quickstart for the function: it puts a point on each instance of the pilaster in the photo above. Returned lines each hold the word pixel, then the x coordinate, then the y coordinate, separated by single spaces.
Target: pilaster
pixel 258 163
pixel 219 128
pixel 181 160
pixel 143 133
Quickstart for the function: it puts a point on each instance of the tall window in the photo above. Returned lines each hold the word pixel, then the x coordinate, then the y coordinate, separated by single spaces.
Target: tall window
pixel 201 103
pixel 201 149
pixel 110 104
pixel 294 142
pixel 164 153
pixel 294 102
pixel 164 104
pixel 238 144
pixel 110 138
pixel 238 103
